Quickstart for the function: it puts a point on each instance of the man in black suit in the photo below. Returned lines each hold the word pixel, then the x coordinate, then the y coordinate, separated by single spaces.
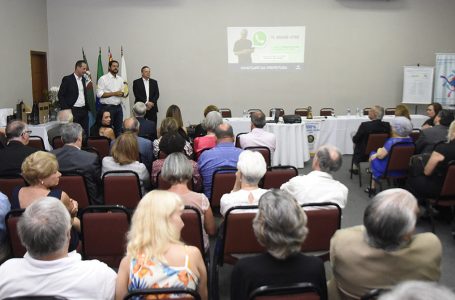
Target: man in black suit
pixel 73 94
pixel 71 159
pixel 146 90
pixel 11 157
pixel 147 128
pixel 360 139
pixel 429 137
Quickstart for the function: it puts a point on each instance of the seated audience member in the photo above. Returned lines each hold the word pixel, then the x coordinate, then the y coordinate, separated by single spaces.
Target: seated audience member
pixel 147 128
pixel 224 154
pixel 178 171
pixel 71 159
pixel 402 111
pixel 103 125
pixel 279 226
pixel 155 256
pixel 40 170
pixel 251 167
pixel 63 117
pixel 430 183
pixel 258 136
pixel 199 130
pixel 5 207
pixel 432 111
pixel 173 143
pixel 47 268
pixel 11 157
pixel 2 138
pixel 173 111
pixel 430 136
pixel 418 290
pixel 384 251
pixel 145 145
pixel 125 155
pixel 401 128
pixel 170 125
pixel 211 121
pixel 319 186
pixel 360 139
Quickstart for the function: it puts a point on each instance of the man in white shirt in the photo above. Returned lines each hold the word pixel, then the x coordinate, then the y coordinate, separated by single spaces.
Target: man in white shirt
pixel 319 186
pixel 110 92
pixel 47 268
pixel 258 136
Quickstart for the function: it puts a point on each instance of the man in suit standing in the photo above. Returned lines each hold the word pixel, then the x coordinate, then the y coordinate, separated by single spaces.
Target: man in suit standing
pixel 360 139
pixel 11 157
pixel 71 159
pixel 146 90
pixel 73 94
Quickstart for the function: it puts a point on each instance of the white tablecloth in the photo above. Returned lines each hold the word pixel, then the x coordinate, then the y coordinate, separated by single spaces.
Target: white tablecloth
pixel 41 130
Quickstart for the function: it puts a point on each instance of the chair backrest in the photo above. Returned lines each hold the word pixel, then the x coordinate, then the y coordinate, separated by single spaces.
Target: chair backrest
pixel 326 111
pixel 389 111
pixel 101 143
pixel 265 152
pixel 375 141
pixel 104 230
pixel 37 142
pixel 400 154
pixel 192 233
pixel 415 134
pixel 448 188
pixel 122 188
pixel 280 112
pixel 237 139
pixel 324 219
pixel 7 184
pixel 303 112
pixel 76 187
pixel 366 110
pixel 223 180
pixel 57 142
pixel 294 291
pixel 11 219
pixel 225 112
pixel 161 294
pixel 276 176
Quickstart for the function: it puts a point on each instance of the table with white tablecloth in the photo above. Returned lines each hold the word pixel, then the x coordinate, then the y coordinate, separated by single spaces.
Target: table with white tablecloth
pixel 41 130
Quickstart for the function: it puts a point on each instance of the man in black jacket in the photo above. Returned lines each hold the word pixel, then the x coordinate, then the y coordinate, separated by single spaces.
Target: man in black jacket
pixel 73 94
pixel 360 139
pixel 146 90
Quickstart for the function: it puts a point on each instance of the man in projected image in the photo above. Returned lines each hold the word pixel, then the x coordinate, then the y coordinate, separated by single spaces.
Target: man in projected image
pixel 243 48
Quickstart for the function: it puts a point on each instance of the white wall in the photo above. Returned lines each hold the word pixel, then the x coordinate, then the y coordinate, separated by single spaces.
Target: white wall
pixel 23 27
pixel 355 49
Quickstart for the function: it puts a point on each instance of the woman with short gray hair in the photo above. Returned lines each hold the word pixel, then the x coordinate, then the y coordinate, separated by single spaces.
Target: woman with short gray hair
pixel 279 226
pixel 251 168
pixel 401 127
pixel 178 171
pixel 211 121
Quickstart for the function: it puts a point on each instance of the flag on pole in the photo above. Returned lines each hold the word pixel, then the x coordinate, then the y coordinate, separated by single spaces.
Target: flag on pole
pixel 444 79
pixel 99 73
pixel 126 101
pixel 90 92
pixel 109 54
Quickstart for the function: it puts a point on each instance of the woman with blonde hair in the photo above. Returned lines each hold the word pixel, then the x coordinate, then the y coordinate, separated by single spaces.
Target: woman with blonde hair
pixel 155 256
pixel 402 111
pixel 173 111
pixel 40 170
pixel 124 157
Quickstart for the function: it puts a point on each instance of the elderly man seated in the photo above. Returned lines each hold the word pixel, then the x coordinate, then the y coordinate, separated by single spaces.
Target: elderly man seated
pixel 47 268
pixel 258 135
pixel 319 186
pixel 384 251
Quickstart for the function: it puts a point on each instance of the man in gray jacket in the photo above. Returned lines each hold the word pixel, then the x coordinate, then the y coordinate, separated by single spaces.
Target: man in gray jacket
pixel 433 135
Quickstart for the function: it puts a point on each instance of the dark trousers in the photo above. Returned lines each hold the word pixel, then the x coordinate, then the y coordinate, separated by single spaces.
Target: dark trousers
pixel 80 115
pixel 116 116
pixel 151 115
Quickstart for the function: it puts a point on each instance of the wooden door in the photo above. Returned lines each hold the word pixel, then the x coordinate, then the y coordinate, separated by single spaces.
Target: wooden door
pixel 39 75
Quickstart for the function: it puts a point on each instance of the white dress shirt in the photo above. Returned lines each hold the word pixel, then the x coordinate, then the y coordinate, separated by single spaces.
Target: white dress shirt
pixel 239 198
pixel 147 89
pixel 258 137
pixel 80 102
pixel 109 84
pixel 317 187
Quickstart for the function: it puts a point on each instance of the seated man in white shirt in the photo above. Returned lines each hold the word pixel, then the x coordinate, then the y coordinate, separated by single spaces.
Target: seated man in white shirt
pixel 47 268
pixel 319 186
pixel 258 136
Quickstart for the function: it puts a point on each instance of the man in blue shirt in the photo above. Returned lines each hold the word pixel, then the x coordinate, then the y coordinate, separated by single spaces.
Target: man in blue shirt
pixel 224 154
